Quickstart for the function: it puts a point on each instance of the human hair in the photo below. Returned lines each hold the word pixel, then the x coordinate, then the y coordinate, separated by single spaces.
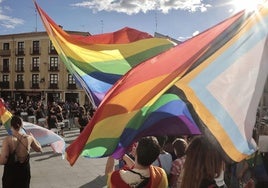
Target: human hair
pixel 147 150
pixel 203 162
pixel 16 122
pixel 162 140
pixel 179 146
pixel 82 110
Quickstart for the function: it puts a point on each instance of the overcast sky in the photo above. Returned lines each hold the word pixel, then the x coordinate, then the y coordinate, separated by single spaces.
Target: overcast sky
pixel 179 19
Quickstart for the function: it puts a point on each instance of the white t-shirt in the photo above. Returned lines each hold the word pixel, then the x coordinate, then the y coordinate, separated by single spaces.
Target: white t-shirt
pixel 165 159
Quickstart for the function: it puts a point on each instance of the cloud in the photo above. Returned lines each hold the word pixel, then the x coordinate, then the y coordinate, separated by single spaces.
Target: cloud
pixel 8 21
pixel 195 33
pixel 137 6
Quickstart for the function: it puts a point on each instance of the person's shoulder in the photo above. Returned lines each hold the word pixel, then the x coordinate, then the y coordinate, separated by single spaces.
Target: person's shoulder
pixel 208 184
pixel 157 169
pixel 8 138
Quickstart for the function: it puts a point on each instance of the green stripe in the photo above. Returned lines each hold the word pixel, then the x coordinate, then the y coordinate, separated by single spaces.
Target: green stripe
pixel 117 66
pixel 140 57
pixel 94 150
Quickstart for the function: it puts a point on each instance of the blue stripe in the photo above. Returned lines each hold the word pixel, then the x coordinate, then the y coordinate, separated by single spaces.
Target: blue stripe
pixel 244 43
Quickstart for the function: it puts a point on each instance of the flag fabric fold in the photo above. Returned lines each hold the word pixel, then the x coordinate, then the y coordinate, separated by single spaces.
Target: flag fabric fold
pixel 98 61
pixel 41 134
pixel 226 88
pixel 210 84
pixel 130 101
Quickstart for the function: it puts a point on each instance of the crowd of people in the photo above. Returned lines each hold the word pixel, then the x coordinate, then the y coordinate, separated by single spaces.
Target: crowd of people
pixel 152 162
pixel 53 114
pixel 191 163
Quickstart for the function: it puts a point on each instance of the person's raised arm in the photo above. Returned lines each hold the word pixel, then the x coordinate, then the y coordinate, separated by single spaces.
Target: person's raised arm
pixel 4 152
pixel 129 162
pixel 109 165
pixel 35 145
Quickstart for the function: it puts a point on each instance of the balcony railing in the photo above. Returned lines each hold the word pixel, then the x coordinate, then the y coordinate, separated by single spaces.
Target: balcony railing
pixel 5 52
pixel 19 85
pixel 4 85
pixel 53 86
pixel 20 69
pixel 35 86
pixel 35 69
pixel 20 52
pixel 71 86
pixel 54 69
pixel 5 70
pixel 35 51
pixel 52 51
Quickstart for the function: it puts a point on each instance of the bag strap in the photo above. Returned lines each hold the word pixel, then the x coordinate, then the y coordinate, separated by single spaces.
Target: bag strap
pixel 159 162
pixel 141 176
pixel 145 180
pixel 23 145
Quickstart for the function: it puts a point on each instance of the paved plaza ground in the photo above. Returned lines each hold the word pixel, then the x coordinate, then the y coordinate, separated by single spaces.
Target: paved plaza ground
pixel 49 170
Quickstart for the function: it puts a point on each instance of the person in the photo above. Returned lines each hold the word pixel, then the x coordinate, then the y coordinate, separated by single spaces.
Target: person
pixel 83 118
pixel 202 165
pixel 164 160
pixel 15 156
pixel 140 172
pixel 52 120
pixel 58 110
pixel 179 146
pixel 40 114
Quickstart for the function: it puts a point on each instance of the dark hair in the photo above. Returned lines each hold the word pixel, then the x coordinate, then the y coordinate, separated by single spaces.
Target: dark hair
pixel 16 122
pixel 162 140
pixel 179 146
pixel 147 150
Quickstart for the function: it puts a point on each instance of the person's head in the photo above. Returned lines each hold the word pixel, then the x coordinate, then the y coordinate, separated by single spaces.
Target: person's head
pixel 16 122
pixel 179 146
pixel 82 110
pixel 162 140
pixel 147 150
pixel 203 161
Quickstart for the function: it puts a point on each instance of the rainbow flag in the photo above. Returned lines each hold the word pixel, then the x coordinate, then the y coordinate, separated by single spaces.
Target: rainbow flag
pixel 222 78
pixel 126 113
pixel 98 61
pixel 42 135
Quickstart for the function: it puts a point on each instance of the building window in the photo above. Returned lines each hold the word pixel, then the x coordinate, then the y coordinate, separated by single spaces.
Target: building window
pixel 5 46
pixel 71 79
pixel 36 49
pixel 35 78
pixel 52 49
pixel 35 64
pixel 54 64
pixel 19 77
pixel 5 65
pixel 35 81
pixel 5 82
pixel 71 82
pixel 19 84
pixel 20 65
pixel 20 48
pixel 5 78
pixel 53 81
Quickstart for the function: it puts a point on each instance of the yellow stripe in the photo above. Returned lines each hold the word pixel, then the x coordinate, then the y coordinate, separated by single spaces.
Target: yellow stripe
pixel 102 52
pixel 6 116
pixel 111 127
pixel 213 125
